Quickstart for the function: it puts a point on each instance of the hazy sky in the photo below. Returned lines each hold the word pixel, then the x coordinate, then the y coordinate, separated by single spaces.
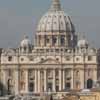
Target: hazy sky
pixel 21 16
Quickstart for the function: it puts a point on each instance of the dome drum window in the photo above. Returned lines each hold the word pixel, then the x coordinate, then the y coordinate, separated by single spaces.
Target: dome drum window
pixel 62 40
pixel 54 40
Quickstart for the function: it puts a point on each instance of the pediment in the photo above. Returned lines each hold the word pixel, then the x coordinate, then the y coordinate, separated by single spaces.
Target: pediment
pixel 49 61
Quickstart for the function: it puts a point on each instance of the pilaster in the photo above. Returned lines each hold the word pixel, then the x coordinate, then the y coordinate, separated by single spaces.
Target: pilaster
pixel 36 81
pixel 54 78
pixel 27 88
pixel 45 80
pixel 63 79
pixel 60 79
pixel 16 82
pixel 72 80
pixel 39 81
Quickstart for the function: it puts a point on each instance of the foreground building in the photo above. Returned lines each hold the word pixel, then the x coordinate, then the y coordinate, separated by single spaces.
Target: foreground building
pixel 58 60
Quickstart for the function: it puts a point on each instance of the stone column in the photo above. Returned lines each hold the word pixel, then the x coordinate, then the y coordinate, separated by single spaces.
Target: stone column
pixel 72 80
pixel 54 78
pixel 60 79
pixel 39 81
pixel 45 80
pixel 36 81
pixel 63 79
pixel 16 82
pixel 27 88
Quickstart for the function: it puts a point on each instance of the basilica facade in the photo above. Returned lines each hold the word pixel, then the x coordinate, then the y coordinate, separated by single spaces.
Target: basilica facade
pixel 57 61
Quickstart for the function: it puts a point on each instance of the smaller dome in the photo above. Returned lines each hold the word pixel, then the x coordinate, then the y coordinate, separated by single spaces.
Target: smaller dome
pixel 25 42
pixel 82 43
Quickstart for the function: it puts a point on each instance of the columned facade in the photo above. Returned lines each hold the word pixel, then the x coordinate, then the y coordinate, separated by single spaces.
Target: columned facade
pixel 57 62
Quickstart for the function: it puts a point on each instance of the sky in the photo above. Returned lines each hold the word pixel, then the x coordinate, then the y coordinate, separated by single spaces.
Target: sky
pixel 19 17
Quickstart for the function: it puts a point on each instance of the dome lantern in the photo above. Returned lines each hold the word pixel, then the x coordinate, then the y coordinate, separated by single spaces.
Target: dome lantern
pixel 56 6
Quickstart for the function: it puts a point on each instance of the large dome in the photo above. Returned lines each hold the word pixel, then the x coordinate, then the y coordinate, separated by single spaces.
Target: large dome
pixel 55 22
pixel 55 29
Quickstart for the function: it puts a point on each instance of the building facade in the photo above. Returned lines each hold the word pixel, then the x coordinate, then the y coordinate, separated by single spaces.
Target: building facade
pixel 58 60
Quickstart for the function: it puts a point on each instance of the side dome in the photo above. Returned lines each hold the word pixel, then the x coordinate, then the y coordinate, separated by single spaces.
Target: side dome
pixel 83 43
pixel 25 42
pixel 55 22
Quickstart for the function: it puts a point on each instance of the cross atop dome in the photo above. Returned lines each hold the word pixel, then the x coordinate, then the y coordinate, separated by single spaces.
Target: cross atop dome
pixel 56 6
